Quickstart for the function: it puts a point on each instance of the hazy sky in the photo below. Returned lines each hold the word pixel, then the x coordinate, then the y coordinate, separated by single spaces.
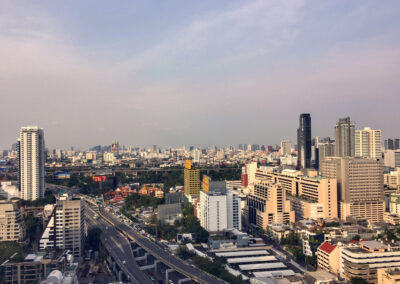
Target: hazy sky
pixel 196 72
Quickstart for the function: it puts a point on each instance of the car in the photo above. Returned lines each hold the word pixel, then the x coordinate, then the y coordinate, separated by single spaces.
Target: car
pixel 124 262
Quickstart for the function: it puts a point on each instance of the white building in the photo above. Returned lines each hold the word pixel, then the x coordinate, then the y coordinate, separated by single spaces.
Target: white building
pixel 109 157
pixel 286 148
pixel 219 209
pixel 31 162
pixel 233 203
pixel 196 156
pixel 214 215
pixel 68 223
pixel 368 143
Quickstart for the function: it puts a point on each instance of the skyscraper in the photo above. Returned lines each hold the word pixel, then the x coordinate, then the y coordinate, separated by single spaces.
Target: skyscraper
pixel 326 148
pixel 344 135
pixel 31 163
pixel 360 186
pixel 191 179
pixel 304 141
pixel 286 147
pixel 368 143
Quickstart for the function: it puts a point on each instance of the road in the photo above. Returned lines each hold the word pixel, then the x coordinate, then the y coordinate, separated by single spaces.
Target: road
pixel 161 254
pixel 119 247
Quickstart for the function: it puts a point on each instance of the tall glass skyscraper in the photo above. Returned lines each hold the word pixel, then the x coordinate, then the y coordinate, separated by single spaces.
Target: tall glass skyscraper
pixel 304 142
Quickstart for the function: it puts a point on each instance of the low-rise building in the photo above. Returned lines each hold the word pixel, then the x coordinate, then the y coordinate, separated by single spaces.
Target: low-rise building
pixel 168 213
pixel 365 259
pixel 328 257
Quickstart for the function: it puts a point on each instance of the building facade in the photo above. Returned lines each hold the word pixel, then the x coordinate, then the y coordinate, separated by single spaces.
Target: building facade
pixel 360 186
pixel 304 141
pixel 345 138
pixel 31 163
pixel 66 228
pixel 286 148
pixel 368 143
pixel 191 179
pixel 11 223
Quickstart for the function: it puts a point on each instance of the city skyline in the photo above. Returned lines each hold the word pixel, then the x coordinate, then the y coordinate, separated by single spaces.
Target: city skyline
pixel 200 74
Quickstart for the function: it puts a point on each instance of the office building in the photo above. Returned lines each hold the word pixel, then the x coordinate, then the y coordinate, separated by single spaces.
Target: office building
pixel 218 208
pixel 326 148
pixel 344 138
pixel 368 143
pixel 286 148
pixel 304 141
pixel 65 229
pixel 248 173
pixel 267 204
pixel 365 259
pixel 360 186
pixel 31 163
pixel 311 196
pixel 234 212
pixel 191 179
pixel 11 223
pixel 392 144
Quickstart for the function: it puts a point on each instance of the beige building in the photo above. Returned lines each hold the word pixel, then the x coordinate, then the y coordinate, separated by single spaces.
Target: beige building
pixel 312 197
pixel 191 179
pixel 11 224
pixel 388 275
pixel 394 203
pixel 365 260
pixel 65 229
pixel 267 204
pixel 392 180
pixel 328 256
pixel 368 143
pixel 360 186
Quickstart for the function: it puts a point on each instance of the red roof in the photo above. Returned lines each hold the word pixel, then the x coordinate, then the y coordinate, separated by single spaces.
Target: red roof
pixel 327 247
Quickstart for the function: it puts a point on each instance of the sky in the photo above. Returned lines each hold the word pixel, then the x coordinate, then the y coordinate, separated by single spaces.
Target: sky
pixel 199 73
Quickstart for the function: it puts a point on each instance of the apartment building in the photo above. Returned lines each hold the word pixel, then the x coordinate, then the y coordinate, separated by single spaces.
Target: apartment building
pixel 360 186
pixel 312 197
pixel 65 229
pixel 328 257
pixel 368 143
pixel 388 275
pixel 11 224
pixel 392 179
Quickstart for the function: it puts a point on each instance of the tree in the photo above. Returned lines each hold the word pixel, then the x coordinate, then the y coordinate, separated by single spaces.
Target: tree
pixel 357 238
pixel 358 280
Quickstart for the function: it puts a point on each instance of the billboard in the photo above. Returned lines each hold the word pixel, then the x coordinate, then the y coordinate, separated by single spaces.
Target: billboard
pixel 99 178
pixel 205 185
pixel 188 164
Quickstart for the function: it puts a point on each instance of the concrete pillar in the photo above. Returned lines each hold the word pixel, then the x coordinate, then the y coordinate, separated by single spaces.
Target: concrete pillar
pixel 167 274
pixel 120 276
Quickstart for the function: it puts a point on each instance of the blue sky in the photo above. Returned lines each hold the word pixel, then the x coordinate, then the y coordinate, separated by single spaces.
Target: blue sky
pixel 196 72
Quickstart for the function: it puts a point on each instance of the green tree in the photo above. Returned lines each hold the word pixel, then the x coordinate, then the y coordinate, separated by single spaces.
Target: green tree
pixel 358 280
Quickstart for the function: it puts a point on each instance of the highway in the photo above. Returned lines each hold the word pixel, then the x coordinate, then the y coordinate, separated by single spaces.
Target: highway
pixel 158 252
pixel 119 247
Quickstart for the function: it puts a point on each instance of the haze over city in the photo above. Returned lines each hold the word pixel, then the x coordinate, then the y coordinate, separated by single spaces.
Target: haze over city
pixel 196 73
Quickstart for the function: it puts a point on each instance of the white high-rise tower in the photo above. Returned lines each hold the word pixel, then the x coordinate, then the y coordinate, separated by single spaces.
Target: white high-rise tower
pixel 31 163
pixel 369 143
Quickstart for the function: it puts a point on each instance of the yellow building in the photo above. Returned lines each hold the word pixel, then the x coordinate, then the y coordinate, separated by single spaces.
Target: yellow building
pixel 191 179
pixel 388 275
